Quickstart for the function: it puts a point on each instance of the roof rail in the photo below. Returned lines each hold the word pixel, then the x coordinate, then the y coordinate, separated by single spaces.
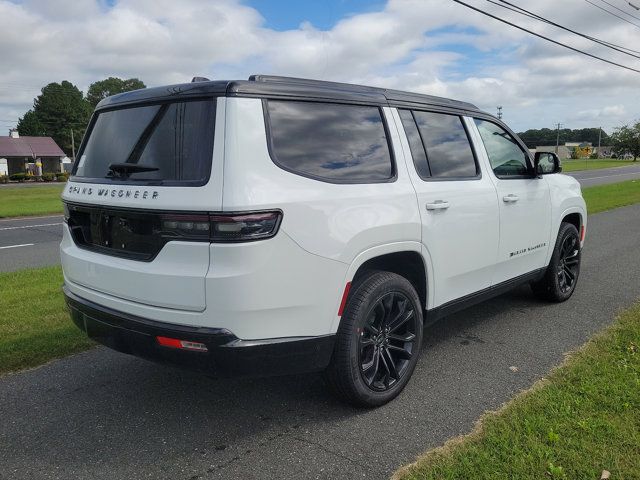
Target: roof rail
pixel 311 82
pixel 390 94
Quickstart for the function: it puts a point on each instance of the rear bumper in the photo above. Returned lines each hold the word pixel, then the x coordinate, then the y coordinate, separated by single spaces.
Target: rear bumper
pixel 227 355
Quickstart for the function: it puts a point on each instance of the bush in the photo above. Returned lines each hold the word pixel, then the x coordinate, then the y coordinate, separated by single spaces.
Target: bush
pixel 48 177
pixel 18 177
pixel 594 155
pixel 4 179
pixel 62 177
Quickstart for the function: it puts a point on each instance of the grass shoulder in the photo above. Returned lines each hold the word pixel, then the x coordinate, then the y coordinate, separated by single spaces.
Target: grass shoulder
pixel 30 200
pixel 606 197
pixel 35 326
pixel 574 165
pixel 581 420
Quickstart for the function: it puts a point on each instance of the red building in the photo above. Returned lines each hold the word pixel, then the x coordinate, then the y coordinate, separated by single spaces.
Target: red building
pixel 20 151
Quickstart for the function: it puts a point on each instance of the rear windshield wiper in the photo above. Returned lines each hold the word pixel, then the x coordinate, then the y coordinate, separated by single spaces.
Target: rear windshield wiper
pixel 123 170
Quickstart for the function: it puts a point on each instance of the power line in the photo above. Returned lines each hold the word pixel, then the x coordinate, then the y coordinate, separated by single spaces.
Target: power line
pixel 522 11
pixel 577 50
pixel 619 9
pixel 611 13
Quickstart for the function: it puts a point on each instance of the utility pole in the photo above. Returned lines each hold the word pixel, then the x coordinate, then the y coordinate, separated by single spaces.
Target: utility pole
pixel 559 125
pixel 599 138
pixel 499 112
pixel 73 148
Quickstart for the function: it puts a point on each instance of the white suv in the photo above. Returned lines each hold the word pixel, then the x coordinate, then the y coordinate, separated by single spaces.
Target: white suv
pixel 282 225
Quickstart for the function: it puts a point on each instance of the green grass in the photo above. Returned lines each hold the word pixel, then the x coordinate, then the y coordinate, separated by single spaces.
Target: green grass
pixel 614 195
pixel 583 419
pixel 36 200
pixel 34 325
pixel 571 165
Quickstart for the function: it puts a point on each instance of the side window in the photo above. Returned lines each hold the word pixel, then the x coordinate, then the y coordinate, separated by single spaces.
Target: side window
pixel 506 157
pixel 333 142
pixel 415 143
pixel 447 145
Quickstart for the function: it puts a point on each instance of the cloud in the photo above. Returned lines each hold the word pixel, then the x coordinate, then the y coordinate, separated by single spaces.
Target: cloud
pixel 428 46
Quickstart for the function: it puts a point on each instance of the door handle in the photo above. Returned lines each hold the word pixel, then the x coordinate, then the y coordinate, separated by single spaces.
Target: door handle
pixel 511 198
pixel 438 205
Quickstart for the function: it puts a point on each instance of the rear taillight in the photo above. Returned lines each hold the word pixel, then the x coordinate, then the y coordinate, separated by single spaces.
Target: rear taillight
pixel 185 227
pixel 244 227
pixel 220 227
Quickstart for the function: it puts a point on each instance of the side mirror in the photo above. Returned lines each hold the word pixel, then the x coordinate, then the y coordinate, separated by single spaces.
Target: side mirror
pixel 545 163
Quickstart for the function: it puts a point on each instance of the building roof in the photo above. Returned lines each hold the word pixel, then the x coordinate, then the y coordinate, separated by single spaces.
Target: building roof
pixel 268 86
pixel 29 147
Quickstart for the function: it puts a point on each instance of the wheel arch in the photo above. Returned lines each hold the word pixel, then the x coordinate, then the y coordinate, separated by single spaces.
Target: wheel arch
pixel 407 259
pixel 574 215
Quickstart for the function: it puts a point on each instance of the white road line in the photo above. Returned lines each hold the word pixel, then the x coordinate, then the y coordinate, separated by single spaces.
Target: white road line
pixel 31 226
pixel 16 246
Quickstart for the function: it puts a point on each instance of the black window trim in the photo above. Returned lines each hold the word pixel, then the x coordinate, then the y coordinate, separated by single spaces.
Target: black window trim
pixel 267 123
pixel 518 141
pixel 424 148
pixel 150 183
pixel 478 175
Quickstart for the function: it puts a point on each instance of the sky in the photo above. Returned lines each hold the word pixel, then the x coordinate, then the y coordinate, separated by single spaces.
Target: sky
pixel 436 47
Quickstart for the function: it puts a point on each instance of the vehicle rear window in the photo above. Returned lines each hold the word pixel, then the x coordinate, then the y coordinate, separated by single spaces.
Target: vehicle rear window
pixel 168 143
pixel 447 145
pixel 332 142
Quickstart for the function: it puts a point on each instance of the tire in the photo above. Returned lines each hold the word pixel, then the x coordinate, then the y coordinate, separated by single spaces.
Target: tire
pixel 378 341
pixel 561 277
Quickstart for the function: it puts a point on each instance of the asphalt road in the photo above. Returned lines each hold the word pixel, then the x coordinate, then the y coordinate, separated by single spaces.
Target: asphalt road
pixel 104 415
pixel 30 242
pixel 589 178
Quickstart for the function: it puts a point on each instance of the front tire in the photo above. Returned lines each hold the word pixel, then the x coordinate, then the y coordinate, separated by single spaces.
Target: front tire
pixel 561 277
pixel 378 341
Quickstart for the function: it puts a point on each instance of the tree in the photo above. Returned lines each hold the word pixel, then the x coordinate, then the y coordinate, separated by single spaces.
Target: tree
pixel 60 108
pixel 111 86
pixel 29 124
pixel 626 140
pixel 547 136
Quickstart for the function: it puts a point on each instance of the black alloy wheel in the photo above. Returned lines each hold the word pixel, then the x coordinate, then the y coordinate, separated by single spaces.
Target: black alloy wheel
pixel 561 276
pixel 569 264
pixel 387 341
pixel 378 340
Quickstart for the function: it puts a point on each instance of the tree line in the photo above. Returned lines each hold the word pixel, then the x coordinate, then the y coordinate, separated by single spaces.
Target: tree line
pixel 548 136
pixel 62 108
pixel 625 139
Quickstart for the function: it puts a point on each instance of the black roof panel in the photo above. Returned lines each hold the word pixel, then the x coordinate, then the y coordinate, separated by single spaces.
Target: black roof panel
pixel 167 92
pixel 284 87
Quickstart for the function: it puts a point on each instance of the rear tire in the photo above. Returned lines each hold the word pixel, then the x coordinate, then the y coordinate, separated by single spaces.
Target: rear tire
pixel 561 277
pixel 378 341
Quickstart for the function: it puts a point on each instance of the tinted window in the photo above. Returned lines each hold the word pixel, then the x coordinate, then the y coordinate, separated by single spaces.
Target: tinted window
pixel 174 140
pixel 334 142
pixel 447 145
pixel 506 156
pixel 415 143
